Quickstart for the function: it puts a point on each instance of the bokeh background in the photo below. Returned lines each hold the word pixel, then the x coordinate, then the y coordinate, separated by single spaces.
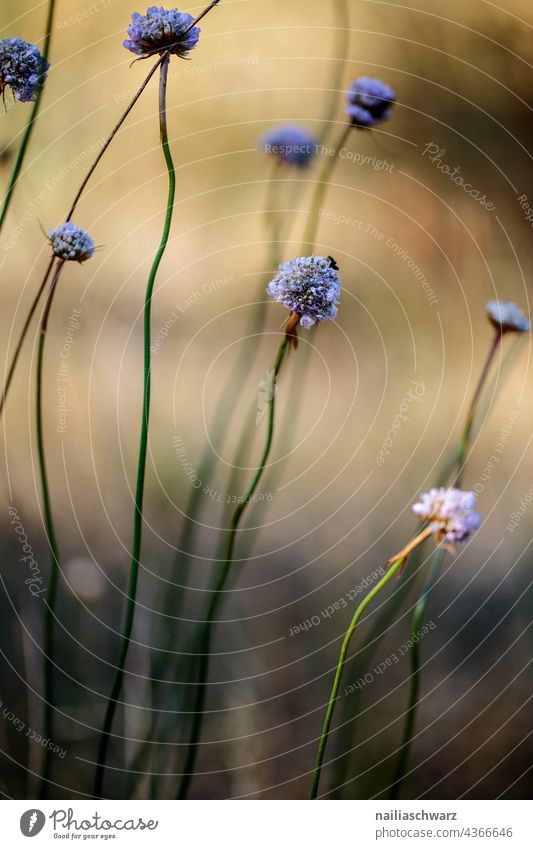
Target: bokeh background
pixel 331 514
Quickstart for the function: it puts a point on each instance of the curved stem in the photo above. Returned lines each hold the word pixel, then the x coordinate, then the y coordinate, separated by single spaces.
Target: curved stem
pixel 216 593
pixel 80 191
pixel 311 227
pixel 340 668
pixel 33 117
pixel 420 609
pixel 51 596
pixel 143 445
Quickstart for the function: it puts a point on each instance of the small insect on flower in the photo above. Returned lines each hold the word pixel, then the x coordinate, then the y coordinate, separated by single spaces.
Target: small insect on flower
pixel 310 287
pixel 369 102
pixel 449 512
pixel 21 68
pixel 507 317
pixel 290 145
pixel 71 243
pixel 161 30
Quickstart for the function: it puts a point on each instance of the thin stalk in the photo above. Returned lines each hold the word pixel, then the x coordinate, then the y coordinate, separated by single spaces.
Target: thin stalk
pixel 77 198
pixel 217 592
pixel 420 609
pixel 20 343
pixel 143 445
pixel 51 596
pixel 342 15
pixel 19 162
pixel 395 567
pixel 324 178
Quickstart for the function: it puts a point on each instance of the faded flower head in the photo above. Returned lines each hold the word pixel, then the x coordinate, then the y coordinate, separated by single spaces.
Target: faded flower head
pixel 369 102
pixel 309 286
pixel 290 144
pixel 507 317
pixel 161 30
pixel 450 513
pixel 71 243
pixel 21 66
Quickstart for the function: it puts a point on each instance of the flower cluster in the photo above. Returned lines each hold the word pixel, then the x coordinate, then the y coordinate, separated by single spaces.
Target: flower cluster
pixel 71 243
pixel 507 317
pixel 369 102
pixel 21 68
pixel 450 513
pixel 161 30
pixel 290 144
pixel 309 286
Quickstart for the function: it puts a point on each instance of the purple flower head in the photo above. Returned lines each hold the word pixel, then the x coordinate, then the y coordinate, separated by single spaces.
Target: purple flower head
pixel 450 513
pixel 507 317
pixel 309 286
pixel 290 144
pixel 369 102
pixel 21 67
pixel 71 243
pixel 161 30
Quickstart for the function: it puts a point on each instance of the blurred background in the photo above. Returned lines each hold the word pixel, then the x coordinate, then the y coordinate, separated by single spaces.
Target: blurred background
pixel 419 257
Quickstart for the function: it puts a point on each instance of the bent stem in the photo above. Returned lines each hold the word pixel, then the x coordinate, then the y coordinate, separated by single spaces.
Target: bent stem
pixel 420 609
pixel 216 593
pixel 143 444
pixel 393 569
pixel 19 162
pixel 51 596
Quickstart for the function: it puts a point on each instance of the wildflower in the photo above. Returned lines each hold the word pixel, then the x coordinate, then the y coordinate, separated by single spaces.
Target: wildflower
pixel 71 243
pixel 507 317
pixel 369 102
pixel 21 68
pixel 309 286
pixel 161 30
pixel 449 512
pixel 290 144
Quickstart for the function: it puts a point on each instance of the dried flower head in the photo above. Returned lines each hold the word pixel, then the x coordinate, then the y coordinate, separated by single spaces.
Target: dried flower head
pixel 369 102
pixel 71 243
pixel 161 30
pixel 309 286
pixel 507 317
pixel 450 513
pixel 21 67
pixel 290 144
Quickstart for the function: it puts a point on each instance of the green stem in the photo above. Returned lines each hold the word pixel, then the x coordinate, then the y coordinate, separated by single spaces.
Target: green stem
pixel 51 596
pixel 216 593
pixel 141 468
pixel 420 609
pixel 33 117
pixel 467 432
pixel 324 178
pixel 340 668
pixel 80 191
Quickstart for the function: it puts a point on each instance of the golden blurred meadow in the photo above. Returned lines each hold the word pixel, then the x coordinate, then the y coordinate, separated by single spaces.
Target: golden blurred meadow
pixel 427 218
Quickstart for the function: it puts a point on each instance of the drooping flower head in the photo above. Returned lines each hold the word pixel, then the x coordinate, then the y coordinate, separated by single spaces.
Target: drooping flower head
pixel 21 67
pixel 507 317
pixel 309 286
pixel 290 144
pixel 161 30
pixel 369 102
pixel 450 513
pixel 71 243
